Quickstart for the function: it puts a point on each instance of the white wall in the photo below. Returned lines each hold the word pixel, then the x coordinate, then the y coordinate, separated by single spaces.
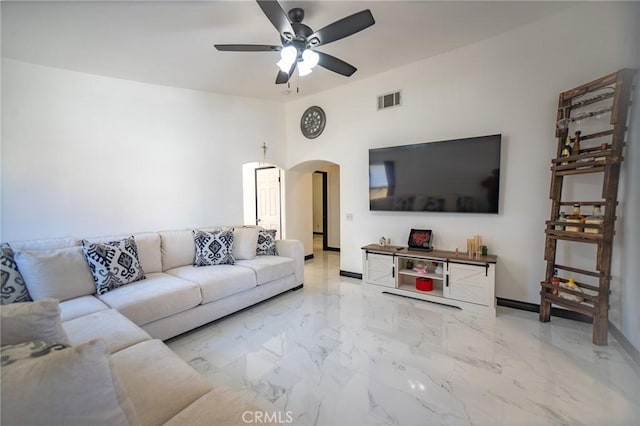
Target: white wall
pixel 87 155
pixel 299 215
pixel 625 294
pixel 509 85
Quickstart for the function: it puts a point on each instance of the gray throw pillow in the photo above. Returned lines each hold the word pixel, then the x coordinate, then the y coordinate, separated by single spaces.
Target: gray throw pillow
pixel 244 243
pixel 29 321
pixel 267 242
pixel 12 286
pixel 113 264
pixel 213 248
pixel 59 273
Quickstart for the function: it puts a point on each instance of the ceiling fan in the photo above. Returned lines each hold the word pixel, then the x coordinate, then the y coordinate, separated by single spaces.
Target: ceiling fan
pixel 299 41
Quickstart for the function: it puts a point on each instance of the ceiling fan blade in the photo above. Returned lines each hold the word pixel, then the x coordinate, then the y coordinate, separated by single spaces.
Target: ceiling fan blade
pixel 247 48
pixel 278 18
pixel 283 77
pixel 336 65
pixel 342 28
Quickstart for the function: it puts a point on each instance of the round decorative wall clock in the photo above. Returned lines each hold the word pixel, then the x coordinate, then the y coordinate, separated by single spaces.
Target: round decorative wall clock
pixel 312 122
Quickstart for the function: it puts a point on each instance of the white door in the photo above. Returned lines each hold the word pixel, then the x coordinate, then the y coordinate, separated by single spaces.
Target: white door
pixel 268 199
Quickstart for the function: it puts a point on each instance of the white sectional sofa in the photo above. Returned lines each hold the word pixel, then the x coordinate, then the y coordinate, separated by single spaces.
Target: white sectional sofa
pixel 175 297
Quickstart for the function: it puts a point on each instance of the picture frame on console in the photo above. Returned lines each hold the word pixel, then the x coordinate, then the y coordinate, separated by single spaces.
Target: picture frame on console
pixel 421 239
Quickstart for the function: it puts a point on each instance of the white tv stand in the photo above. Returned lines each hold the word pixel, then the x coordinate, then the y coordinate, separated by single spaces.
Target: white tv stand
pixel 466 282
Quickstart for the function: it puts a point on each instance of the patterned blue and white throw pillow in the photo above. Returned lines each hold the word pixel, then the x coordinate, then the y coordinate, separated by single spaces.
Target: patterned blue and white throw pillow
pixel 113 264
pixel 213 248
pixel 12 286
pixel 267 242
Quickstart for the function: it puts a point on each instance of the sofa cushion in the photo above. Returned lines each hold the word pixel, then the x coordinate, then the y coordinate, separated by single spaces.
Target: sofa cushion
pixel 159 383
pixel 269 268
pixel 48 244
pixel 113 264
pixel 267 242
pixel 177 248
pixel 115 329
pixel 245 241
pixel 148 244
pixel 61 273
pixel 217 282
pixel 62 386
pixel 222 406
pixel 30 321
pixel 158 296
pixel 213 248
pixel 12 286
pixel 80 306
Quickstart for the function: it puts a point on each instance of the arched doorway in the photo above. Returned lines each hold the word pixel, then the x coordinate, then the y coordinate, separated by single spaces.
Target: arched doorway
pixel 314 205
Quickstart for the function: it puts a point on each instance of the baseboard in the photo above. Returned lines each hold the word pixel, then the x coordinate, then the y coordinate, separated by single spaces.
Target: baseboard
pixel 350 274
pixel 308 257
pixel 333 249
pixel 533 307
pixel 633 352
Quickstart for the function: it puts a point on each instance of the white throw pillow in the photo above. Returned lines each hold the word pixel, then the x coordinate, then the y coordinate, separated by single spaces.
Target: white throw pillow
pixel 62 274
pixel 55 385
pixel 245 241
pixel 28 321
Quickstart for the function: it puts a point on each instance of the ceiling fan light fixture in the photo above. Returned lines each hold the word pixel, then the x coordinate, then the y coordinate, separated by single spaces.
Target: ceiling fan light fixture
pixel 310 58
pixel 283 65
pixel 289 54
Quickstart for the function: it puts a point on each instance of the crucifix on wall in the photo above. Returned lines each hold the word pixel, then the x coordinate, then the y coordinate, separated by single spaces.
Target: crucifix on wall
pixel 264 151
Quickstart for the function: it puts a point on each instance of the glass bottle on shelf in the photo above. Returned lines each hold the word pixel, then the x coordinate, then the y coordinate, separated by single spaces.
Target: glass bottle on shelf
pixel 567 149
pixel 597 218
pixel 574 217
pixel 575 148
pixel 562 218
pixel 555 281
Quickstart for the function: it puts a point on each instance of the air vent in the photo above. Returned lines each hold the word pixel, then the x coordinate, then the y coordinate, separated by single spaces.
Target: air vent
pixel 389 100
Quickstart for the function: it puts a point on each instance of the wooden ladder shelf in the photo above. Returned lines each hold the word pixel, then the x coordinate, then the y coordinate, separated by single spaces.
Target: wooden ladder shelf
pixel 600 151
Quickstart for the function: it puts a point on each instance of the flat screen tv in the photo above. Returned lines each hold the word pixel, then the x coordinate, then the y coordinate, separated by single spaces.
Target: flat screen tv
pixel 460 176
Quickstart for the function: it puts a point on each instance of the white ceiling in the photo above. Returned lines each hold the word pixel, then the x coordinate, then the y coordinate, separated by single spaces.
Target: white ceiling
pixel 171 42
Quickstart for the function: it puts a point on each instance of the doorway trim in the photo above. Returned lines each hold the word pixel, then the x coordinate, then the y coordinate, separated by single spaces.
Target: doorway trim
pixel 325 210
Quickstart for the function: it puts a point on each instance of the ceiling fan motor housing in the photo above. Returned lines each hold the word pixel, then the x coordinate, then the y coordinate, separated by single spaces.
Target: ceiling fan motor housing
pixel 302 31
pixel 296 14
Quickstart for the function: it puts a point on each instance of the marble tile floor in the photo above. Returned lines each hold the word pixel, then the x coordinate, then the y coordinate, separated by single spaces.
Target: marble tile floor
pixel 334 353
